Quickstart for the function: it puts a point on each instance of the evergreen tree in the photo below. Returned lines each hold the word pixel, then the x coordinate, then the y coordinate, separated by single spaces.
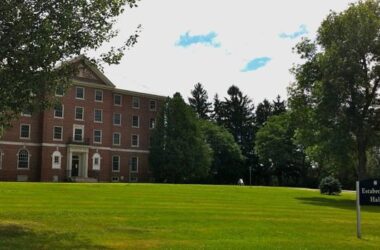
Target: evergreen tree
pixel 227 156
pixel 217 114
pixel 263 111
pixel 178 153
pixel 278 106
pixel 199 101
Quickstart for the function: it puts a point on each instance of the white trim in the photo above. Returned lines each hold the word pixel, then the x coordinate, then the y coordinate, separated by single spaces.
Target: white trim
pixel 95 95
pixel 63 112
pixel 121 100
pixel 113 119
pixel 101 113
pixel 154 124
pixel 55 139
pixel 1 158
pixel 138 102
pixel 113 141
pixel 64 146
pixel 75 113
pixel 94 156
pixel 137 165
pixel 138 141
pixel 78 126
pixel 115 171
pixel 101 136
pixel 18 159
pixel 76 87
pixel 30 128
pixel 53 164
pixel 138 121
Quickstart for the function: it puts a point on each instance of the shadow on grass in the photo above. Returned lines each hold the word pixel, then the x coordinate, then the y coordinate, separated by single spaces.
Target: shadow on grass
pixel 336 203
pixel 14 236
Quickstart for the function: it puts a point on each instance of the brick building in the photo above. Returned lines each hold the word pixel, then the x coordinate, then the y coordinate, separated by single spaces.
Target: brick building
pixel 97 132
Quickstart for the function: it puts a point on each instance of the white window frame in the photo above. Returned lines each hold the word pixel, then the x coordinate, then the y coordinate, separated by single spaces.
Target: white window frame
pixel 118 170
pixel 150 123
pixel 63 112
pixel 137 165
pixel 56 139
pixel 55 165
pixel 75 114
pixel 138 121
pixel 29 126
pixel 138 141
pixel 113 139
pixel 26 114
pixel 155 105
pixel 76 92
pixel 59 95
pixel 133 102
pixel 77 126
pixel 96 166
pixel 101 113
pixel 18 159
pixel 121 100
pixel 133 179
pixel 115 179
pixel 99 91
pixel 101 136
pixel 113 119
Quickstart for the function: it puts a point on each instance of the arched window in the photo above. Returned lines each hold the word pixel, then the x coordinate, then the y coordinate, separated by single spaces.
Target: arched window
pixel 23 159
pixel 96 161
pixel 56 159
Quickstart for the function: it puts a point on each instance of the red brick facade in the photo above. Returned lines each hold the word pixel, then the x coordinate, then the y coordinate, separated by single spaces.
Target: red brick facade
pixel 81 143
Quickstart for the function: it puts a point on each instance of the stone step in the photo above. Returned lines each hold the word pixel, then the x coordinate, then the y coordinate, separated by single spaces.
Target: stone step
pixel 84 179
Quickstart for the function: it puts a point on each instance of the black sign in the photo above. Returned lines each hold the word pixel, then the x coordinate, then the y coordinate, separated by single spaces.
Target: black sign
pixel 369 191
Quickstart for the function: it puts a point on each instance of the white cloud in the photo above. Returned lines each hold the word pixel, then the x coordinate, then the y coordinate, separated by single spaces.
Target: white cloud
pixel 246 29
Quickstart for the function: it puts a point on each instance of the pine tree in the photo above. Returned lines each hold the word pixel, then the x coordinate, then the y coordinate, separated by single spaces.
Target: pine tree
pixel 198 101
pixel 278 106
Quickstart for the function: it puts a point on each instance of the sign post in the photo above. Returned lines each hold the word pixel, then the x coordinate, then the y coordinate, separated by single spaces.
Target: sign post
pixel 358 217
pixel 367 193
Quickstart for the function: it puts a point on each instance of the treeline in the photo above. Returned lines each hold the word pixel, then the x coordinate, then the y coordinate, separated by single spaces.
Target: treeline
pixel 227 139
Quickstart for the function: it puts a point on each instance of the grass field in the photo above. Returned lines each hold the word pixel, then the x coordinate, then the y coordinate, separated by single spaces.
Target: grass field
pixel 145 216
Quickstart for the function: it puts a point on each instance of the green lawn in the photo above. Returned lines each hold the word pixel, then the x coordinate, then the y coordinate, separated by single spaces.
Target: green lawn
pixel 145 216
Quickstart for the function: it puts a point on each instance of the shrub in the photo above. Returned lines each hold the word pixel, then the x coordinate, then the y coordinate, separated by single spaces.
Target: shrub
pixel 331 186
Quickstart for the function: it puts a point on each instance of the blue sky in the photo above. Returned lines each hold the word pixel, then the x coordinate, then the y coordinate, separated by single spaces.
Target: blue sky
pixel 247 43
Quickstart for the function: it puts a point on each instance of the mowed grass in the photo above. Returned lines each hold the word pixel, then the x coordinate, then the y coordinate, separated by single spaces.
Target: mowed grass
pixel 146 216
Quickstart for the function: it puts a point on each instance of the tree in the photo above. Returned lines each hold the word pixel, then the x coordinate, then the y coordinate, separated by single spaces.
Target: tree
pixel 335 95
pixel 263 111
pixel 199 101
pixel 227 156
pixel 38 36
pixel 236 114
pixel 274 144
pixel 179 153
pixel 278 106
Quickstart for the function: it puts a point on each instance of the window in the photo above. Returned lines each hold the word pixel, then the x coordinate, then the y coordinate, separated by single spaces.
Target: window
pixel 1 158
pixel 133 179
pixel 152 105
pixel 135 102
pixel 79 111
pixel 117 100
pixel 57 133
pixel 98 115
pixel 134 165
pixel 115 163
pixel 97 136
pixel 79 93
pixel 135 140
pixel 56 159
pixel 96 161
pixel 135 121
pixel 152 123
pixel 27 112
pixel 115 178
pixel 116 119
pixel 78 133
pixel 58 111
pixel 25 131
pixel 23 159
pixel 98 95
pixel 59 91
pixel 116 138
